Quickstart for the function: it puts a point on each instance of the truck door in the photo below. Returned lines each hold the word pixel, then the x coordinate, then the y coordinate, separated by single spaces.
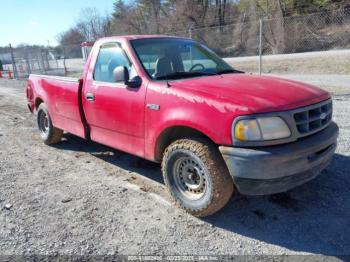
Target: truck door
pixel 114 112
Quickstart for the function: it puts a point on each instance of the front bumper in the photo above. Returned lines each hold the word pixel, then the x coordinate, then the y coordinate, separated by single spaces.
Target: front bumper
pixel 275 169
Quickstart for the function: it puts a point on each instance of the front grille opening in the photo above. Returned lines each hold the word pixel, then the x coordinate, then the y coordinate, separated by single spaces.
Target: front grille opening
pixel 315 113
pixel 304 128
pixel 301 117
pixel 314 125
pixel 325 108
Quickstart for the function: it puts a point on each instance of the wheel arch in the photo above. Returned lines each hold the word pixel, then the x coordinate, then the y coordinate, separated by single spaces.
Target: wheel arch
pixel 37 102
pixel 173 133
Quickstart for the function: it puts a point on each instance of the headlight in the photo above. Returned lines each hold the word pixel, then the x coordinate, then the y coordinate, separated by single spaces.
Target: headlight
pixel 261 129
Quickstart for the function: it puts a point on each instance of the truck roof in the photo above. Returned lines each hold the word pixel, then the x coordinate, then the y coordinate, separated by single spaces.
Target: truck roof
pixel 134 37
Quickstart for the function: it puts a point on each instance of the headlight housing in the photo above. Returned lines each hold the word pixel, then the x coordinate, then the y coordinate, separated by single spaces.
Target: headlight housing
pixel 261 129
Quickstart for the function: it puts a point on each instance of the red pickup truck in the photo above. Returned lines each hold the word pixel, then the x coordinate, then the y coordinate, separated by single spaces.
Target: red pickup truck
pixel 214 129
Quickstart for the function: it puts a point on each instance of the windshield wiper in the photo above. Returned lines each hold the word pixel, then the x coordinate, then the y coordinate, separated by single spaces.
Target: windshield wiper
pixel 229 71
pixel 184 74
pixel 181 74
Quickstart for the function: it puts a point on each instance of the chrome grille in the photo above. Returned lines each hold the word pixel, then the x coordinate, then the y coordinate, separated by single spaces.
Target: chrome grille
pixel 313 118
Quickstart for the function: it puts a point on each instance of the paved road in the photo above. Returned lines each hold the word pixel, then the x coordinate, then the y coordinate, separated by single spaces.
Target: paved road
pixel 334 83
pixel 83 198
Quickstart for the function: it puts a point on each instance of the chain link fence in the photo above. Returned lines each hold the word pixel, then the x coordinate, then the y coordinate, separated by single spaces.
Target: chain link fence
pixel 317 43
pixel 315 32
pixel 22 61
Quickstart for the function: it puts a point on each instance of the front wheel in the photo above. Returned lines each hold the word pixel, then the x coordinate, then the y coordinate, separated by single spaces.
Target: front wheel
pixel 48 133
pixel 196 176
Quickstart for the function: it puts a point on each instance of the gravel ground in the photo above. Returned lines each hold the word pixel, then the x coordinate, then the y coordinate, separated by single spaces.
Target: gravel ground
pixel 83 198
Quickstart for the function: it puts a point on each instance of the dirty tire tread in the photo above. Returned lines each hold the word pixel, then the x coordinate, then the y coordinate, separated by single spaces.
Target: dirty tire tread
pixel 222 183
pixel 55 134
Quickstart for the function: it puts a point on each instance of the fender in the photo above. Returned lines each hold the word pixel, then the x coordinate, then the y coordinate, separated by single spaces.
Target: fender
pixel 35 94
pixel 173 118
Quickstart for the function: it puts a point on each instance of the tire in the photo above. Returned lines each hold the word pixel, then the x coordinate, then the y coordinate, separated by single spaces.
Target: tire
pixel 48 133
pixel 196 176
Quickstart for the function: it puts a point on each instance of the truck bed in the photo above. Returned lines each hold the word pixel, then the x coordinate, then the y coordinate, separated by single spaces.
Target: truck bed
pixel 62 96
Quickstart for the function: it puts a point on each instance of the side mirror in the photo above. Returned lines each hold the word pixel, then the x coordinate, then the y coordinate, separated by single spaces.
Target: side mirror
pixel 134 82
pixel 121 74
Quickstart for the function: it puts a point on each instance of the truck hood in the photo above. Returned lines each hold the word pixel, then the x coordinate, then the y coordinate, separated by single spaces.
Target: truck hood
pixel 252 93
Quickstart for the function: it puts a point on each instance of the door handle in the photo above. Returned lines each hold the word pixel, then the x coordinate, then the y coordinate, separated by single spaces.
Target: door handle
pixel 90 97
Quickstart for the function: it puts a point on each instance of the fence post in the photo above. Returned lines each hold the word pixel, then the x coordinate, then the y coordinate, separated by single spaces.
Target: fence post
pixel 261 26
pixel 190 31
pixel 64 61
pixel 14 67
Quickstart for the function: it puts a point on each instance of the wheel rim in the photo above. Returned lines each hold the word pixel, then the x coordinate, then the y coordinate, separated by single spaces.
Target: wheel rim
pixel 44 123
pixel 190 177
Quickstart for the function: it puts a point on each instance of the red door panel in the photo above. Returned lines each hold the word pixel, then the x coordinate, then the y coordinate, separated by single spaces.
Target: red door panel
pixel 114 112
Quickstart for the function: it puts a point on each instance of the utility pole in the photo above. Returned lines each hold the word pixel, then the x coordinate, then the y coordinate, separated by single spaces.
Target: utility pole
pixel 261 21
pixel 190 36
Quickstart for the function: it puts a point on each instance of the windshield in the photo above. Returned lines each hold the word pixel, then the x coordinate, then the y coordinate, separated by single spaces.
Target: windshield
pixel 175 58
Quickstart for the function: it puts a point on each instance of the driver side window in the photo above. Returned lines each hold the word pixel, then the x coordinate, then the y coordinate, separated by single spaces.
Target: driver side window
pixel 108 59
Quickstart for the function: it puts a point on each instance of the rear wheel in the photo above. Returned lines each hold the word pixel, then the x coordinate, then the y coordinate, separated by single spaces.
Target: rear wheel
pixel 48 133
pixel 196 176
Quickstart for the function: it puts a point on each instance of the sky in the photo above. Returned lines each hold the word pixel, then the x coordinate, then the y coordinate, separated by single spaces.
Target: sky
pixel 40 21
